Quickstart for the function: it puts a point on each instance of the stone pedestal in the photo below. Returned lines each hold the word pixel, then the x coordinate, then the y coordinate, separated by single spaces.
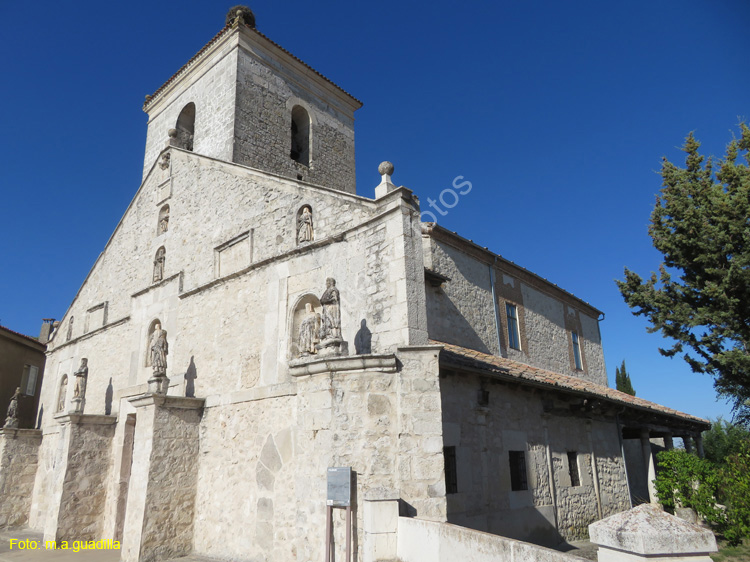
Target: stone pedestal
pixel 19 450
pixel 380 530
pixel 647 533
pixel 79 491
pixel 333 347
pixel 158 385
pixel 76 405
pixel 161 497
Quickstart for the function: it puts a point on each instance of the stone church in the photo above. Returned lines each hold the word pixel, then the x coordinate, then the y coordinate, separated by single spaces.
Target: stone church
pixel 253 322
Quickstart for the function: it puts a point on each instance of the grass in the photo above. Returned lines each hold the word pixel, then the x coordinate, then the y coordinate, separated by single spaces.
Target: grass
pixel 726 553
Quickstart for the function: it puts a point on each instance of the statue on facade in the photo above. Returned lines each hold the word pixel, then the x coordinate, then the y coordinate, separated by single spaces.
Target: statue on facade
pixel 70 329
pixel 308 331
pixel 305 226
pixel 79 390
pixel 11 421
pixel 161 255
pixel 63 394
pixel 331 327
pixel 159 350
pixel 164 221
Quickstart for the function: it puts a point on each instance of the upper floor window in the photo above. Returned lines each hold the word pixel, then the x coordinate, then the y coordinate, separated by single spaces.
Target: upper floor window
pixel 186 126
pixel 514 340
pixel 517 460
pixel 451 474
pixel 577 351
pixel 28 380
pixel 300 151
pixel 575 478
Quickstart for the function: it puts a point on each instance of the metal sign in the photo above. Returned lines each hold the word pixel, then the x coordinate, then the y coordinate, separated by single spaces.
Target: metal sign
pixel 339 487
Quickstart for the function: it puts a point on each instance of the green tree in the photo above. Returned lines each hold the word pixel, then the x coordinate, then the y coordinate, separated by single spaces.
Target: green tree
pixel 622 380
pixel 700 299
pixel 723 440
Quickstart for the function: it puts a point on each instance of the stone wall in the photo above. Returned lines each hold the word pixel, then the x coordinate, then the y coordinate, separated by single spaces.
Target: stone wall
pixel 461 311
pixel 19 449
pixel 212 88
pixel 266 95
pixel 84 484
pixel 170 497
pixel 273 448
pixel 552 508
pixel 428 541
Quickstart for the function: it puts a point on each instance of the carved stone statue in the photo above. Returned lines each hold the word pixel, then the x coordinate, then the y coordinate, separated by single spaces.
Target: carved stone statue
pixel 164 162
pixel 164 222
pixel 308 331
pixel 79 390
pixel 70 329
pixel 81 375
pixel 11 421
pixel 331 328
pixel 63 394
pixel 161 256
pixel 305 226
pixel 159 351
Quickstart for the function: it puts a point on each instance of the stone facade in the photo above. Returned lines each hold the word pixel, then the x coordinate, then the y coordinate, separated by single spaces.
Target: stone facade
pixel 19 449
pixel 227 455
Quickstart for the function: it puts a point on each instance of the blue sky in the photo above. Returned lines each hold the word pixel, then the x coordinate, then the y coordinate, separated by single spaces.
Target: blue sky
pixel 557 112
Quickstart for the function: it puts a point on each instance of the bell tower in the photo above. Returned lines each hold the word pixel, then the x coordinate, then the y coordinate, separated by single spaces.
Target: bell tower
pixel 245 99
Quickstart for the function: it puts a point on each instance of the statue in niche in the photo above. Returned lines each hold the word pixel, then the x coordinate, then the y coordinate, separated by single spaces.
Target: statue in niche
pixel 63 394
pixel 164 220
pixel 331 326
pixel 308 331
pixel 159 351
pixel 305 226
pixel 11 421
pixel 70 329
pixel 161 254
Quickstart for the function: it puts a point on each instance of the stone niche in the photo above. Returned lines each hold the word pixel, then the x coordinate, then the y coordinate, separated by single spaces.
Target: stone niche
pixel 301 312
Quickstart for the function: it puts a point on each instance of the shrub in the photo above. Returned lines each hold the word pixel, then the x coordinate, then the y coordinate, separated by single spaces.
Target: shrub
pixel 688 481
pixel 735 492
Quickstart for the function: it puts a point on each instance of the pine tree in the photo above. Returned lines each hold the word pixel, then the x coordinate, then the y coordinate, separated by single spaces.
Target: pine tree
pixel 700 299
pixel 622 380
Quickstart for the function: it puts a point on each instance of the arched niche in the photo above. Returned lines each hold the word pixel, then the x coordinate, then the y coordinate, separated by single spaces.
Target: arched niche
pixel 301 135
pixel 186 126
pixel 62 393
pixel 159 260
pixel 304 225
pixel 309 316
pixel 151 329
pixel 163 224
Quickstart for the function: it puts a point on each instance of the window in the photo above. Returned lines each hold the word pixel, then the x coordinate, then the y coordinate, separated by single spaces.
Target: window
pixel 577 352
pixel 514 341
pixel 300 151
pixel 28 380
pixel 186 126
pixel 451 474
pixel 518 470
pixel 575 479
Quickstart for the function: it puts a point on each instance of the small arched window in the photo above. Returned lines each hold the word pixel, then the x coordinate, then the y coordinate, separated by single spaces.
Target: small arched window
pixel 62 394
pixel 70 329
pixel 161 257
pixel 301 133
pixel 186 126
pixel 163 220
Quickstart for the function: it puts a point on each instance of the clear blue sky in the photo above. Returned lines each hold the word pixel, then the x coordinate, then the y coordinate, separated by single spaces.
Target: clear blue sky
pixel 557 112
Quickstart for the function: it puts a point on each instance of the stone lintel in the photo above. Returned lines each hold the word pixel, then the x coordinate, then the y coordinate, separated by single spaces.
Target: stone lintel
pixel 180 402
pixel 15 433
pixel 302 367
pixel 647 531
pixel 91 419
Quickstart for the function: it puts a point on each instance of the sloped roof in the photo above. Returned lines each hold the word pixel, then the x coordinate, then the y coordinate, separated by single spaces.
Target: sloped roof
pixel 457 356
pixel 30 339
pixel 213 40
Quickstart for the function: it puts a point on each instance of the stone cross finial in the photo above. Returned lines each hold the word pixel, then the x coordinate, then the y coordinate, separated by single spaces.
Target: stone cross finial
pixel 386 185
